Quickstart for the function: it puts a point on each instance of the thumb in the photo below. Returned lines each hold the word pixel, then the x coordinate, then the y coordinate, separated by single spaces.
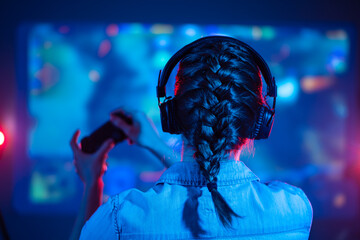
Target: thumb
pixel 120 123
pixel 106 147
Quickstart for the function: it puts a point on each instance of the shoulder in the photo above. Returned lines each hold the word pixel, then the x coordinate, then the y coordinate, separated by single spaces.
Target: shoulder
pixel 132 207
pixel 138 212
pixel 101 224
pixel 132 197
pixel 289 190
pixel 291 200
pixel 104 224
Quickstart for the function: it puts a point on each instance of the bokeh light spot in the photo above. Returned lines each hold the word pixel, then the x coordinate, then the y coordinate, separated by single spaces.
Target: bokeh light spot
pixel 47 44
pixel 337 34
pixel 112 30
pixel 162 29
pixel 288 90
pixel 48 77
pixel 337 65
pixel 104 48
pixel 268 33
pixel 94 75
pixel 190 32
pixel 160 59
pixel 162 42
pixel 64 29
pixel 257 33
pixel 339 200
pixel 311 84
pixel 339 106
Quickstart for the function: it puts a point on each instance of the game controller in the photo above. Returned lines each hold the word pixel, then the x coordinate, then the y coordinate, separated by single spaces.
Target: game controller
pixel 92 143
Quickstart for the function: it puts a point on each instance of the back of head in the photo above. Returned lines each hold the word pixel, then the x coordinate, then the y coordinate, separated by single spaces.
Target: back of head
pixel 218 93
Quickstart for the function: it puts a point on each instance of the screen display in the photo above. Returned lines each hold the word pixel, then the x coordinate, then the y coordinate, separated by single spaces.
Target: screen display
pixel 76 74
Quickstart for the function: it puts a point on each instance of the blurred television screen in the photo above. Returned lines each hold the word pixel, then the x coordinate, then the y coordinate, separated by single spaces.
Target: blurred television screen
pixel 77 73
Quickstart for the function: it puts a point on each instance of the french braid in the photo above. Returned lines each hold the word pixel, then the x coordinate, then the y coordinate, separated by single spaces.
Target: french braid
pixel 218 93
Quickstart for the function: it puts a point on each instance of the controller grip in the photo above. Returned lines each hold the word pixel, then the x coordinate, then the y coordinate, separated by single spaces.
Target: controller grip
pixel 92 143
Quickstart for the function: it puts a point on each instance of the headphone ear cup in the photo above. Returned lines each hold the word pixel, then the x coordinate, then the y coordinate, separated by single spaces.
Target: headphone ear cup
pixel 264 123
pixel 168 117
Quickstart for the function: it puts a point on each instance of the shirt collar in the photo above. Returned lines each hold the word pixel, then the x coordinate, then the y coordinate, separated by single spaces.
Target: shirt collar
pixel 189 174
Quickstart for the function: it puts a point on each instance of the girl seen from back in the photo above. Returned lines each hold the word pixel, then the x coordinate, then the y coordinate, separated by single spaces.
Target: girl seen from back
pixel 207 192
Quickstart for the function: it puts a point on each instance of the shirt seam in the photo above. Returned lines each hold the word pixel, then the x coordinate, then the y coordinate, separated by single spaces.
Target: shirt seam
pixel 169 177
pixel 115 211
pixel 202 183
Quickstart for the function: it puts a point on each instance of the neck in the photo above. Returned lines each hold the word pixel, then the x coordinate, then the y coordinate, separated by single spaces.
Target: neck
pixel 187 153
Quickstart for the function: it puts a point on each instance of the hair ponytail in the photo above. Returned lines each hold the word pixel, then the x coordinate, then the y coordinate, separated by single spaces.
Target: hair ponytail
pixel 222 209
pixel 218 91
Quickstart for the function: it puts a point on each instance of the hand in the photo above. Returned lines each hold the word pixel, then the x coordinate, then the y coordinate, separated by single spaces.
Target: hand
pixel 141 132
pixel 90 167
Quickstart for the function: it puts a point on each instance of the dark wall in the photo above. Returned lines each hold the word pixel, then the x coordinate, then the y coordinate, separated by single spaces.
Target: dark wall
pixel 12 13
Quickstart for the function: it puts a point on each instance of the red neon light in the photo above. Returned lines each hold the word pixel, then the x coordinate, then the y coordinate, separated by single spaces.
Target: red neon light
pixel 2 138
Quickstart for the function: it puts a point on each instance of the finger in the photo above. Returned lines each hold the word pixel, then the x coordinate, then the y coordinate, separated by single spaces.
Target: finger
pixel 140 117
pixel 106 147
pixel 129 113
pixel 120 123
pixel 76 166
pixel 105 167
pixel 73 142
pixel 144 120
pixel 153 125
pixel 123 109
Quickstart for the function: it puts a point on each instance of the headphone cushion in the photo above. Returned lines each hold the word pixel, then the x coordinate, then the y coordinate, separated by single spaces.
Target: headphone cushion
pixel 264 123
pixel 168 117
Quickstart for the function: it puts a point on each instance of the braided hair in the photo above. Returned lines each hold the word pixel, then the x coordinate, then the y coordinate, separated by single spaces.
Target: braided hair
pixel 218 93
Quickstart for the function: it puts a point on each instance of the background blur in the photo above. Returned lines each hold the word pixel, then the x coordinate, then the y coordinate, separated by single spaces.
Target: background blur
pixel 67 65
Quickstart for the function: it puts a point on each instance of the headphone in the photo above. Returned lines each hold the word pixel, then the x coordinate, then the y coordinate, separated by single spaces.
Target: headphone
pixel 168 113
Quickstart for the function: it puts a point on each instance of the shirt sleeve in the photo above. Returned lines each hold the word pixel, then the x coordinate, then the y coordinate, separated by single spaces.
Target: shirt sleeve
pixel 102 224
pixel 308 206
